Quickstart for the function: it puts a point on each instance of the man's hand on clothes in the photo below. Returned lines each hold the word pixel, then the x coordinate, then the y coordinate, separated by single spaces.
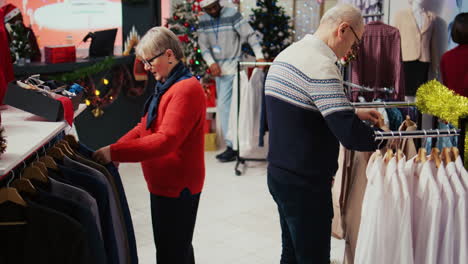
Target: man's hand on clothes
pixel 215 70
pixel 103 155
pixel 368 114
pixel 261 60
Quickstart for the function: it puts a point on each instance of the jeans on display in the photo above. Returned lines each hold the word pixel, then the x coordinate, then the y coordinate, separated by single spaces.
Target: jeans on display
pixel 173 225
pixel 224 93
pixel 306 214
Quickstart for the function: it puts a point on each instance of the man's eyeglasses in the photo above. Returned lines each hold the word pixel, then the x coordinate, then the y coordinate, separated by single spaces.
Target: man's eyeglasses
pixel 148 62
pixel 355 46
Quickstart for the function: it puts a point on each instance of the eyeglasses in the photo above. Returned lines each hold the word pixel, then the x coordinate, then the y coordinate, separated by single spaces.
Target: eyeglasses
pixel 148 62
pixel 355 46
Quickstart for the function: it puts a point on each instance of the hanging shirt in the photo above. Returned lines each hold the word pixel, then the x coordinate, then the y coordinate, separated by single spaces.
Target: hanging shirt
pixel 460 254
pixel 462 172
pixel 427 212
pixel 379 43
pixel 405 243
pixel 369 241
pixel 446 228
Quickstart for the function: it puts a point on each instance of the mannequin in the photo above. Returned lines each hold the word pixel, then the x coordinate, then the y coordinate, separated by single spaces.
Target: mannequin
pixel 416 27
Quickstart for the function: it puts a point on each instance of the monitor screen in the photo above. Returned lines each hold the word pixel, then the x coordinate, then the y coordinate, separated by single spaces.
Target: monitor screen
pixel 59 22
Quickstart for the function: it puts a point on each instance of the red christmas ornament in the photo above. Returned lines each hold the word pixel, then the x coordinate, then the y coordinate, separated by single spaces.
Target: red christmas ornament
pixel 192 61
pixel 195 48
pixel 186 24
pixel 208 71
pixel 176 18
pixel 184 38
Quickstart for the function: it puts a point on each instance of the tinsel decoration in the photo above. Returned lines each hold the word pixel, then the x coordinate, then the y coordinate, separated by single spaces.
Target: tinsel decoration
pixel 435 99
pixel 3 142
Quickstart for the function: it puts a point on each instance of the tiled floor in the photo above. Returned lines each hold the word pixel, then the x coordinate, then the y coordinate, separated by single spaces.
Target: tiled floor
pixel 237 218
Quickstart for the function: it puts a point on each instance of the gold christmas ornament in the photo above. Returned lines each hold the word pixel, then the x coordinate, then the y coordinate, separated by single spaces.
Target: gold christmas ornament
pixel 97 112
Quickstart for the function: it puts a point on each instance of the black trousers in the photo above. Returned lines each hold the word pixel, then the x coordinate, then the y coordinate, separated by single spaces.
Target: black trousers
pixel 416 74
pixel 173 224
pixel 306 214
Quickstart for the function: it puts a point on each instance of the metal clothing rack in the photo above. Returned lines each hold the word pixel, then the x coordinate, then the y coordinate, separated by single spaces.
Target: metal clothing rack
pixel 373 15
pixel 357 87
pixel 239 159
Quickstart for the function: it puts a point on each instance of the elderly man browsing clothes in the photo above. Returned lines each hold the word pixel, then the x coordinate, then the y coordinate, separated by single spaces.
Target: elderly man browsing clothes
pixel 308 116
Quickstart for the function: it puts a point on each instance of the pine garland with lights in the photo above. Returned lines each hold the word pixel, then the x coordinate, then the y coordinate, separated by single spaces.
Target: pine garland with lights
pixel 184 23
pixel 76 75
pixel 435 99
pixel 271 21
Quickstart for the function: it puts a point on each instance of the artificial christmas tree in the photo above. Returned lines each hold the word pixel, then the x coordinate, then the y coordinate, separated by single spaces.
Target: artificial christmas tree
pixel 184 23
pixel 271 21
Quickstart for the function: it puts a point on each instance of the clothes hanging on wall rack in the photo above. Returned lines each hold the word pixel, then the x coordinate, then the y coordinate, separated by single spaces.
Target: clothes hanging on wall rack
pixel 379 62
pixel 73 187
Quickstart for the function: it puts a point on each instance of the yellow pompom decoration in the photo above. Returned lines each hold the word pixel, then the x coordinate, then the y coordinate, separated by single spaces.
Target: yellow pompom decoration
pixel 435 99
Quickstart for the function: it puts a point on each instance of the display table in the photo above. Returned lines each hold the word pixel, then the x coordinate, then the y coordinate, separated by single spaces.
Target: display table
pixel 25 133
pixel 50 69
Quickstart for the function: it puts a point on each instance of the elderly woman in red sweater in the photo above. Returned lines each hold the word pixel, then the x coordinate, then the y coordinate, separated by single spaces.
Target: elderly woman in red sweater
pixel 454 63
pixel 169 143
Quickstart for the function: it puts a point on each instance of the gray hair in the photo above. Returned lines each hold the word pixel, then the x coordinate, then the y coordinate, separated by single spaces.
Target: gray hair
pixel 342 13
pixel 157 40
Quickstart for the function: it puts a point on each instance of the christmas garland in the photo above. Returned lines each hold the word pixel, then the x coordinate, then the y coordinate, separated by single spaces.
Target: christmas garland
pixel 106 64
pixel 435 99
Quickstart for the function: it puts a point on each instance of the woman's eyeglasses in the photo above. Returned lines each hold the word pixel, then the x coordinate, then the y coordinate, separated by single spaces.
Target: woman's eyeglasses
pixel 148 62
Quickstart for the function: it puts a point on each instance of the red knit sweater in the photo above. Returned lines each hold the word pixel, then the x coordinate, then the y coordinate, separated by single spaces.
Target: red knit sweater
pixel 171 152
pixel 453 66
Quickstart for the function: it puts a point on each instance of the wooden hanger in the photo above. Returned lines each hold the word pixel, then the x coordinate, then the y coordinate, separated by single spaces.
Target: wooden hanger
pixel 9 194
pixel 400 155
pixel 64 149
pixel 446 155
pixel 389 155
pixel 24 185
pixel 455 152
pixel 435 157
pixel 421 155
pixel 72 141
pixel 34 173
pixel 49 162
pixel 68 147
pixel 56 153
pixel 41 166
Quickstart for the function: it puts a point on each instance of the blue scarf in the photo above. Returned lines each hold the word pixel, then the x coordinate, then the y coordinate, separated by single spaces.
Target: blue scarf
pixel 179 73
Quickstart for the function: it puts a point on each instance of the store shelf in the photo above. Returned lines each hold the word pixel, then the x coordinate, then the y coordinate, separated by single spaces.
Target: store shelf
pixel 25 133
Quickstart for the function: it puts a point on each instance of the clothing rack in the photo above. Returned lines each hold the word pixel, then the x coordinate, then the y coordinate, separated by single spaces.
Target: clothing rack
pixel 379 135
pixel 239 159
pixel 384 104
pixel 357 87
pixel 373 15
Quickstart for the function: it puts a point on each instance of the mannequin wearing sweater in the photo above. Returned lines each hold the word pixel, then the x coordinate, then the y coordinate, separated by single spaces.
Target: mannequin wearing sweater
pixel 416 27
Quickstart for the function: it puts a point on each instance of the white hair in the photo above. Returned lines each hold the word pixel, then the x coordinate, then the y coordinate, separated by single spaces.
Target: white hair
pixel 156 40
pixel 342 13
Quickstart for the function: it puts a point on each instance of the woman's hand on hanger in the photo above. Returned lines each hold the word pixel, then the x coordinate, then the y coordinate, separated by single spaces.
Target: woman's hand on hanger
pixel 103 155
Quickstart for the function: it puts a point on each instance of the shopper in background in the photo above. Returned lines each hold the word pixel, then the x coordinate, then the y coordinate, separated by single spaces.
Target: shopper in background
pixel 454 63
pixel 169 143
pixel 220 35
pixel 308 116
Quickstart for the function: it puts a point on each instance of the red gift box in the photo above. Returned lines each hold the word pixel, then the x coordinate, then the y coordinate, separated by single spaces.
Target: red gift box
pixel 60 54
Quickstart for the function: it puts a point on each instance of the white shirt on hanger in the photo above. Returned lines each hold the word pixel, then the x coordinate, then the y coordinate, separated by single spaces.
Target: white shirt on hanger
pixel 406 239
pixel 460 235
pixel 412 172
pixel 462 172
pixel 369 241
pixel 446 228
pixel 427 212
